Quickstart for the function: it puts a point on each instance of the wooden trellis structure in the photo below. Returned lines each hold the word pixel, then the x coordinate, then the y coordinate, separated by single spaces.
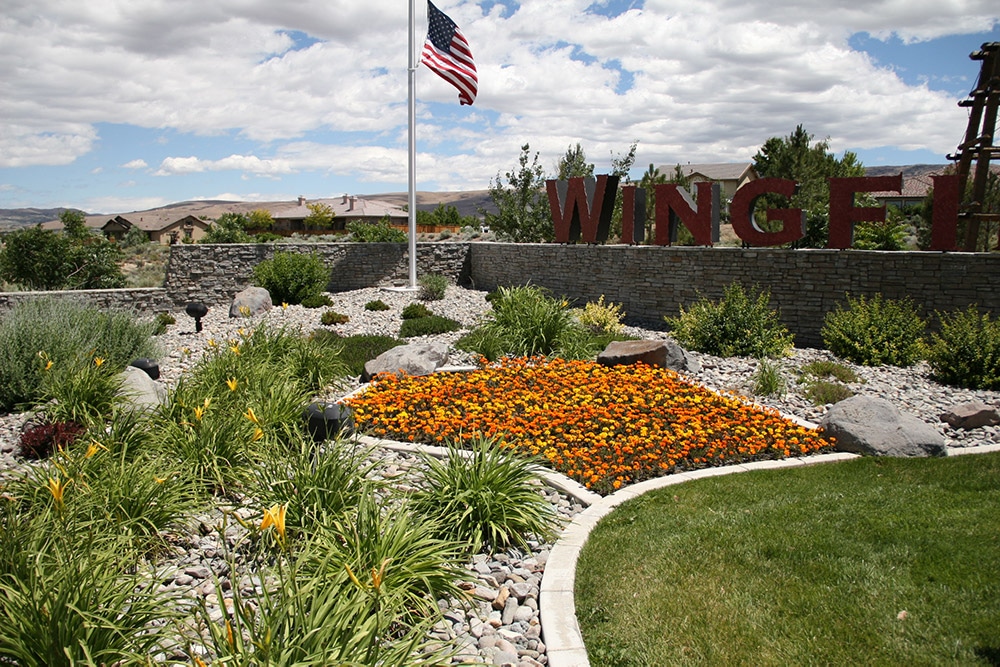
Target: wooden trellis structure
pixel 978 145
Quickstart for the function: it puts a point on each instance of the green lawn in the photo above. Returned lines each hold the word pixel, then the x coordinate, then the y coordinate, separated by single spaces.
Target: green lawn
pixel 867 562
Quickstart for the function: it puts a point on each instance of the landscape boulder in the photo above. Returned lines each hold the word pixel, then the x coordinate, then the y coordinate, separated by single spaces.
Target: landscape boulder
pixel 659 353
pixel 412 359
pixel 875 427
pixel 142 391
pixel 256 299
pixel 974 414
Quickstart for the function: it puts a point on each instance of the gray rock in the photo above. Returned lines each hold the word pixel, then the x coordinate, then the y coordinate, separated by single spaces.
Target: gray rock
pixel 659 353
pixel 141 391
pixel 875 427
pixel 974 414
pixel 412 359
pixel 256 299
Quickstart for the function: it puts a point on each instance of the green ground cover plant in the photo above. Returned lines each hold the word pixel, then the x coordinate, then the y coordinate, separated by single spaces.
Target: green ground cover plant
pixel 875 331
pixel 428 326
pixel 355 350
pixel 331 317
pixel 416 310
pixel 740 324
pixel 378 304
pixel 779 567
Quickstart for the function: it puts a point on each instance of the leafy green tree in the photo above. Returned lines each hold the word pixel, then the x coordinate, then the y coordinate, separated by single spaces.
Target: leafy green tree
pixel 320 216
pixel 651 178
pixel 522 204
pixel 35 258
pixel 94 263
pixel 228 228
pixel 74 224
pixel 134 237
pixel 810 165
pixel 260 218
pixel 574 165
pixel 621 165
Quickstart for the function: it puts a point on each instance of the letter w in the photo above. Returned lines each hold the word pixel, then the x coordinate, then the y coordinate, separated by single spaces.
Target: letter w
pixel 582 208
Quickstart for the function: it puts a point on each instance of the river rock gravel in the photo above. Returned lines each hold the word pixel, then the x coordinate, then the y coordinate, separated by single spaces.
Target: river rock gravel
pixel 500 626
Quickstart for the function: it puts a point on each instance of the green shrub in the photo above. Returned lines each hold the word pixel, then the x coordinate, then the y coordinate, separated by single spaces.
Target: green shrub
pixel 433 286
pixel 41 259
pixel 601 318
pixel 375 232
pixel 740 324
pixel 62 331
pixel 317 301
pixel 378 304
pixel 767 379
pixel 875 331
pixel 488 497
pixel 415 311
pixel 824 392
pixel 292 277
pixel 526 321
pixel 332 317
pixel 354 351
pixel 966 351
pixel 428 326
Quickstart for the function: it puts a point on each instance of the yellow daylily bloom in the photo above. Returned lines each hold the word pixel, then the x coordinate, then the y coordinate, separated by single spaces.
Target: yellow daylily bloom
pixel 284 305
pixel 198 412
pixel 231 383
pixel 229 634
pixel 159 480
pixel 94 448
pixel 249 414
pixel 245 311
pixel 58 488
pixel 49 364
pixel 198 662
pixel 235 349
pixel 211 342
pixel 275 516
pixel 207 402
pixel 98 361
pixel 258 433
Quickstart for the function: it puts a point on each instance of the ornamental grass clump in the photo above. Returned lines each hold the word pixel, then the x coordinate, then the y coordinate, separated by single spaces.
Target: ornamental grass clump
pixel 355 350
pixel 484 496
pixel 527 321
pixel 603 426
pixel 966 350
pixel 433 286
pixel 740 324
pixel 63 331
pixel 875 331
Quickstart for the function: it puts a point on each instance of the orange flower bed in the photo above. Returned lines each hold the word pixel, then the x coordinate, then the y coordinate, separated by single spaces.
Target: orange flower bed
pixel 603 426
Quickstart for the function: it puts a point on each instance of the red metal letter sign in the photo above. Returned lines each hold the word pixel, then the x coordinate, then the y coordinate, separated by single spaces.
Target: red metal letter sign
pixel 944 223
pixel 793 220
pixel 633 214
pixel 582 207
pixel 674 205
pixel 843 212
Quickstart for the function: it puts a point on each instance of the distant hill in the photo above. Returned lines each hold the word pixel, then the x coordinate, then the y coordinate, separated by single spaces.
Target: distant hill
pixel 12 218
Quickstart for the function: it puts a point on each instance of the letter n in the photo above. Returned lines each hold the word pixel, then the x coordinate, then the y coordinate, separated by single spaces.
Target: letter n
pixel 674 206
pixel 582 208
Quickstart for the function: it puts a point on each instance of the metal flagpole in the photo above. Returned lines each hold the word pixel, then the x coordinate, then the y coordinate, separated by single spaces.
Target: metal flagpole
pixel 412 199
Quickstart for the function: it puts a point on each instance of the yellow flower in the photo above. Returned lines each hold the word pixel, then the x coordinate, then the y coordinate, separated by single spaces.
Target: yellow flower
pixel 231 383
pixel 207 402
pixel 94 448
pixel 251 416
pixel 245 311
pixel 275 516
pixel 198 412
pixel 229 634
pixel 98 361
pixel 211 342
pixel 198 662
pixel 284 305
pixel 159 480
pixel 235 349
pixel 49 364
pixel 258 433
pixel 58 489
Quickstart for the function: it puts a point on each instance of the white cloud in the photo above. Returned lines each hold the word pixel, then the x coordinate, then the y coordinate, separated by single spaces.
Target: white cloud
pixel 710 82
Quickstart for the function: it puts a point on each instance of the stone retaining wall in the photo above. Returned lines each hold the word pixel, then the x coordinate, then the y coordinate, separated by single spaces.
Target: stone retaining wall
pixel 649 281
pixel 805 284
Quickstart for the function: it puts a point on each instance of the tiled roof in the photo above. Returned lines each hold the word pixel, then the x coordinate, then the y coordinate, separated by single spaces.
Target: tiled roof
pixel 343 207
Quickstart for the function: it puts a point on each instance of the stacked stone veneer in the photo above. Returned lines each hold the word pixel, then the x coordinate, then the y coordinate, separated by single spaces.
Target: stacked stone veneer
pixel 805 284
pixel 141 299
pixel 649 281
pixel 214 273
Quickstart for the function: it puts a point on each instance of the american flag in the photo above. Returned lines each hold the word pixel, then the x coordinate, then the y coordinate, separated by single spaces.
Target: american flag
pixel 447 53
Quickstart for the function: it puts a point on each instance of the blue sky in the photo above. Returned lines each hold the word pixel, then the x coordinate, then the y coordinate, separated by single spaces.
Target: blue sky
pixel 119 105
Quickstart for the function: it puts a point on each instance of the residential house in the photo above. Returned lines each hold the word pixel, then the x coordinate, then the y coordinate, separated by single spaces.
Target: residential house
pixel 730 176
pixel 346 208
pixel 161 227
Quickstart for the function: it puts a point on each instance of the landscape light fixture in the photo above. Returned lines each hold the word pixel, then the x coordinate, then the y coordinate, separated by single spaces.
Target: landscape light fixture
pixel 197 311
